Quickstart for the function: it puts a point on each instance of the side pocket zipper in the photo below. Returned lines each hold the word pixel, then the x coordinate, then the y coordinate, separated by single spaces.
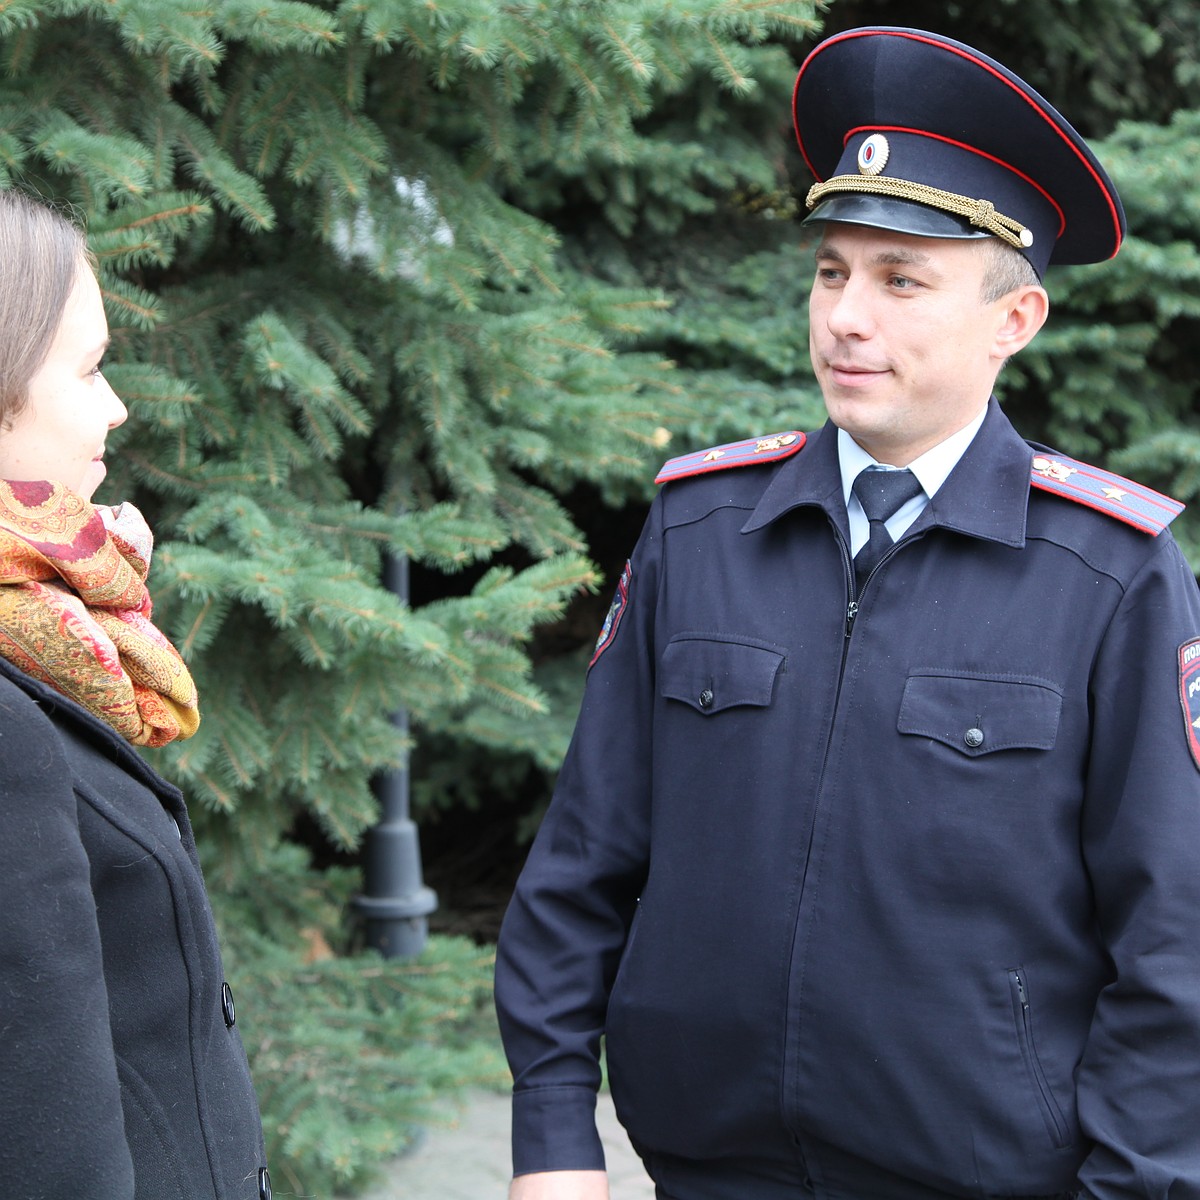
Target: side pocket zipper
pixel 1055 1122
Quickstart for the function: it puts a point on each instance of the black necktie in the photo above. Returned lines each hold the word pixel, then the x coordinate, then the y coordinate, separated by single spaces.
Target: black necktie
pixel 880 493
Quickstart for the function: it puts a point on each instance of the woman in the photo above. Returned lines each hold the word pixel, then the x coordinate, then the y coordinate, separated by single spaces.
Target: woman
pixel 121 1072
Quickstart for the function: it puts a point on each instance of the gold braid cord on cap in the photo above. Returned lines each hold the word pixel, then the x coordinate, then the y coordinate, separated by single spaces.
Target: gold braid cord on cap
pixel 981 213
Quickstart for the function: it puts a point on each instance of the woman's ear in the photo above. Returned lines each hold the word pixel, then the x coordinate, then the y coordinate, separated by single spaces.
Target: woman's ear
pixel 1021 313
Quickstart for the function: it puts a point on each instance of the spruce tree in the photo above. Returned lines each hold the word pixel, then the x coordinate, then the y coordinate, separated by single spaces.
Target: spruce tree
pixel 346 325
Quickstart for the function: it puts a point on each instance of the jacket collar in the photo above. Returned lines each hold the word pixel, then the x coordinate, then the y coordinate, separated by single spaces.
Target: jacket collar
pixel 985 496
pixel 64 712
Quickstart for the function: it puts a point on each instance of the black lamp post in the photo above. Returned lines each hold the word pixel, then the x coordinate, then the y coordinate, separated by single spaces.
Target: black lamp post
pixel 395 902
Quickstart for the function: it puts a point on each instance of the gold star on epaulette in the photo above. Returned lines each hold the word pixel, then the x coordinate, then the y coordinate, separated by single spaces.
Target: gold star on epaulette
pixel 713 455
pixel 1114 493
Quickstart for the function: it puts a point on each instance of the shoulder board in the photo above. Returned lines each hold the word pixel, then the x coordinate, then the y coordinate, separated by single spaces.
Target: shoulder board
pixel 1136 505
pixel 733 454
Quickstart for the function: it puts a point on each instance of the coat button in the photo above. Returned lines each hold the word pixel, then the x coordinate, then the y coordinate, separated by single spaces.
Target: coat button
pixel 227 1009
pixel 974 737
pixel 706 698
pixel 264 1184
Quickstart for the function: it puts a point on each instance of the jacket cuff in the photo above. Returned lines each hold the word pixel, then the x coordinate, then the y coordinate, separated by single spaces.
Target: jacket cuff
pixel 554 1129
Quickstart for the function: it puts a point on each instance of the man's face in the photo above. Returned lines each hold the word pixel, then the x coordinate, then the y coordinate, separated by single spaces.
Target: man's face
pixel 904 348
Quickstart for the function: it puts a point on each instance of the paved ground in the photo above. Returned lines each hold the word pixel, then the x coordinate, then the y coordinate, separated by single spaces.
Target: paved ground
pixel 470 1160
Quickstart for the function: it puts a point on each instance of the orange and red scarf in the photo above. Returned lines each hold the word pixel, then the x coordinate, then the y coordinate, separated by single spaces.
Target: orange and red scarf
pixel 75 612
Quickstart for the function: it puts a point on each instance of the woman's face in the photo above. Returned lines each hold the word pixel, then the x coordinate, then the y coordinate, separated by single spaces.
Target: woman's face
pixel 59 434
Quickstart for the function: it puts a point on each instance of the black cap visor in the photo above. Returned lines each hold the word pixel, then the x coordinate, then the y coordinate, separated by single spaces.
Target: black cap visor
pixel 900 216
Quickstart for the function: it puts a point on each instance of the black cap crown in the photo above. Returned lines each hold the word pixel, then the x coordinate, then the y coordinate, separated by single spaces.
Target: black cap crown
pixel 915 132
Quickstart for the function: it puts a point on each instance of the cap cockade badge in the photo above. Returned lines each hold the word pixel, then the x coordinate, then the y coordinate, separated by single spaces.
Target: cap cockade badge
pixel 873 155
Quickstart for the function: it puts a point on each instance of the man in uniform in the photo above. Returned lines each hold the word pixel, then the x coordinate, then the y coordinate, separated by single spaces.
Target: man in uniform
pixel 874 856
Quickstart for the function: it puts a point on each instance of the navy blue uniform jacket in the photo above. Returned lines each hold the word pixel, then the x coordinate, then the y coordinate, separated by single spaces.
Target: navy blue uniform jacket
pixel 804 906
pixel 122 1074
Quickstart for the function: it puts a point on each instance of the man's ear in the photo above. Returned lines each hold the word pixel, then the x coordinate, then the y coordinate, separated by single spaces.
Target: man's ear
pixel 1021 314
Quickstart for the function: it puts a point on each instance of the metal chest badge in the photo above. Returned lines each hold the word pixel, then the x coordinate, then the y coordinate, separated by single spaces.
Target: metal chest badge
pixel 1189 694
pixel 616 610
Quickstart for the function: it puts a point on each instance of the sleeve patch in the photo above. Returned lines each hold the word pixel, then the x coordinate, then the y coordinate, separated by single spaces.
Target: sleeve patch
pixel 1189 694
pixel 733 454
pixel 1131 502
pixel 616 610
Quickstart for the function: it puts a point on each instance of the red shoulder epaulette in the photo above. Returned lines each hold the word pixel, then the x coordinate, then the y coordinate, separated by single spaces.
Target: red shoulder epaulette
pixel 733 454
pixel 1131 502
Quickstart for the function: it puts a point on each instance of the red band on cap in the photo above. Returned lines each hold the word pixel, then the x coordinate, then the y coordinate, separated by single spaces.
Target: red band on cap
pixel 1037 187
pixel 796 122
pixel 972 58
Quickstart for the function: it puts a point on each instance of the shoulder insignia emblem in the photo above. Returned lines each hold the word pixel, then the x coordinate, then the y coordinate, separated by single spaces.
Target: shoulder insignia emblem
pixel 616 610
pixel 734 454
pixel 1189 694
pixel 1139 506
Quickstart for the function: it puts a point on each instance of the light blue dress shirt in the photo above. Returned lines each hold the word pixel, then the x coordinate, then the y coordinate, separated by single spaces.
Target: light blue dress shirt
pixel 931 470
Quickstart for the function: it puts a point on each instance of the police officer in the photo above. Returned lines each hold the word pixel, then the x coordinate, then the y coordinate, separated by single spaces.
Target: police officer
pixel 873 858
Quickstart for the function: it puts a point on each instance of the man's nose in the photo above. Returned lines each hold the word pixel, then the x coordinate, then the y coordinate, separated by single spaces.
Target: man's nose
pixel 851 314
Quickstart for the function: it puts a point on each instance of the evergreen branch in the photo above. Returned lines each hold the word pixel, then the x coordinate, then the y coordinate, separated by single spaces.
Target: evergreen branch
pixel 267 125
pixel 777 12
pixel 275 26
pixel 233 189
pixel 580 347
pixel 218 797
pixel 568 56
pixel 190 639
pixel 244 777
pixel 737 81
pixel 529 703
pixel 147 35
pixel 169 216
pixel 139 307
pixel 19 50
pixel 18 15
pixel 173 399
pixel 639 67
pixel 177 483
pixel 12 152
pixel 113 165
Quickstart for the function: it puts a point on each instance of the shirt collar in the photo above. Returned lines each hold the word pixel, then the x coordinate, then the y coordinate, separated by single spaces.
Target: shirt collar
pixel 931 468
pixel 985 496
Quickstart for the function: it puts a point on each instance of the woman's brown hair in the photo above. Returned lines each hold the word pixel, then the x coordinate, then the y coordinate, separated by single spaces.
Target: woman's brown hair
pixel 41 252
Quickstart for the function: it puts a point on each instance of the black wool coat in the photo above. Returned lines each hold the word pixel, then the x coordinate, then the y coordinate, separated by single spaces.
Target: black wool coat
pixel 122 1073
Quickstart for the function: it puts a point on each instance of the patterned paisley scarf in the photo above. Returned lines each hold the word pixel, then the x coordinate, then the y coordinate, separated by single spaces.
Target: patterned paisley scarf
pixel 75 612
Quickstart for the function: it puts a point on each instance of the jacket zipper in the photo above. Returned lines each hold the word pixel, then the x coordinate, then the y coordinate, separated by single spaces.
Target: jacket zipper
pixel 853 606
pixel 1050 1107
pixel 851 613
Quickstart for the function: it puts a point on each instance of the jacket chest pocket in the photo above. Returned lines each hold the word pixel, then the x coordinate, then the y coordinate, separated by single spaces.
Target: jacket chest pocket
pixel 980 714
pixel 711 672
